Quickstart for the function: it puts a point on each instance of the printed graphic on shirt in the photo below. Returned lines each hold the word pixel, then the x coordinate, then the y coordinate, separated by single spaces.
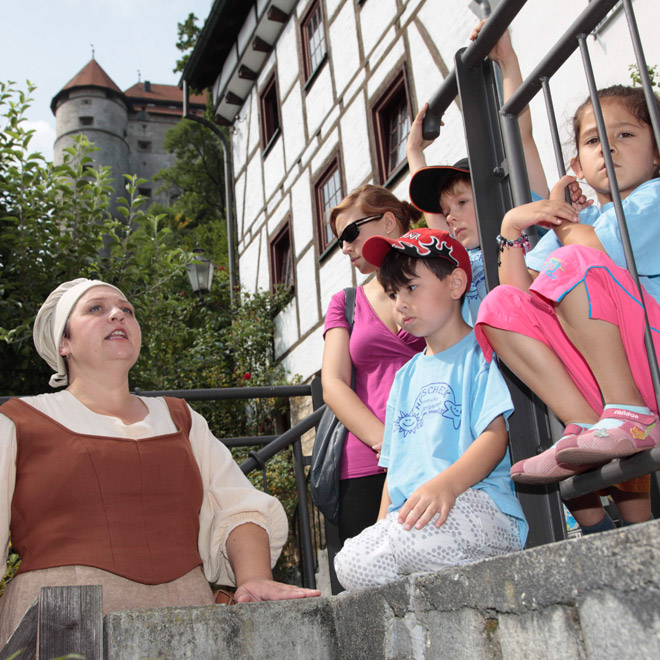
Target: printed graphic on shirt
pixel 478 281
pixel 433 399
pixel 551 266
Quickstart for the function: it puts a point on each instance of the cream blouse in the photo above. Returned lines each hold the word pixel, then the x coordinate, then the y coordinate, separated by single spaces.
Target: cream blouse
pixel 229 498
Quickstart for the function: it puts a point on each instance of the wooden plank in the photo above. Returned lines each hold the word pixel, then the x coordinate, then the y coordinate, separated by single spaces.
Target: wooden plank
pixel 71 621
pixel 24 639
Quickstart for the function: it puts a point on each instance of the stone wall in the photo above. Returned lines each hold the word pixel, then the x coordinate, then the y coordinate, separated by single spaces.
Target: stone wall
pixel 594 597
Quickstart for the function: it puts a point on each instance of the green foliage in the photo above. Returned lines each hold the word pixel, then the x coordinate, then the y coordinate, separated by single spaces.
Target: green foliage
pixel 196 179
pixel 187 35
pixel 56 224
pixel 636 77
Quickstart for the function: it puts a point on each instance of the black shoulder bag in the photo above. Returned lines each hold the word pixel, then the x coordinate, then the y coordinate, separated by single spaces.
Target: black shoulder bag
pixel 328 445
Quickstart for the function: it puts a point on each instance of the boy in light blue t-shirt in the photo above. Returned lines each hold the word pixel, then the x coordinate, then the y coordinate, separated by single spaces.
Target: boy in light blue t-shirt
pixel 448 498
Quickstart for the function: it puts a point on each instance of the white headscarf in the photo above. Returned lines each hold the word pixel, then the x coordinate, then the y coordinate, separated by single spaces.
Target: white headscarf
pixel 51 321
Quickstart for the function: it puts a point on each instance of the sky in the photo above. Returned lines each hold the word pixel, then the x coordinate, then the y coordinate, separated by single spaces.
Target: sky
pixel 48 41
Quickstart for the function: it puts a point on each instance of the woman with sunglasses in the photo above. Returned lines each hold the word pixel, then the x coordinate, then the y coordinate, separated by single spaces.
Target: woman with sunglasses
pixel 375 349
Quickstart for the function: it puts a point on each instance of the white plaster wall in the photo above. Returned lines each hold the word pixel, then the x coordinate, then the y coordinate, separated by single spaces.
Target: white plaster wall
pixel 239 197
pixel 410 8
pixel 287 57
pixel 305 359
pixel 383 70
pixel 449 23
pixel 318 100
pixel 247 30
pixel 286 326
pixel 426 76
pixel 329 145
pixel 249 263
pixel 335 274
pixel 273 165
pixel 301 212
pixel 355 140
pixel 331 7
pixel 374 19
pixel 252 119
pixel 277 215
pixel 253 194
pixel 330 121
pixel 306 291
pixel 245 133
pixel 344 47
pixel 293 124
pixel 239 137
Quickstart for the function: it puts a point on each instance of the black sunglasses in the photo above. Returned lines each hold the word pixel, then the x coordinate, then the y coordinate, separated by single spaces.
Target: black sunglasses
pixel 352 231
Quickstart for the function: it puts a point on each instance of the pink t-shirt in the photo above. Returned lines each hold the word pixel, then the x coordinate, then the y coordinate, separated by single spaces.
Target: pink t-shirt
pixel 377 353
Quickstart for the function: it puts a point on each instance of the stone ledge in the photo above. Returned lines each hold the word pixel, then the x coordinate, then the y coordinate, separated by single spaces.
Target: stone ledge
pixel 595 597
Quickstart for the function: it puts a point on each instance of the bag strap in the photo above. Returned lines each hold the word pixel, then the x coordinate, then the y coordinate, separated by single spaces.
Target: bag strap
pixel 349 306
pixel 349 312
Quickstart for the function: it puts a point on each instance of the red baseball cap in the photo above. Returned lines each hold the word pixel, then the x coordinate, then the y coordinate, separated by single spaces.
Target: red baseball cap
pixel 420 244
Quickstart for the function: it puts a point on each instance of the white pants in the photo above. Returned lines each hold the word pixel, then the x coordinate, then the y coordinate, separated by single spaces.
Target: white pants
pixel 475 529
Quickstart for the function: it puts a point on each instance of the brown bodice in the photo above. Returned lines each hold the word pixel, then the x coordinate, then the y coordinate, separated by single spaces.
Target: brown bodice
pixel 126 506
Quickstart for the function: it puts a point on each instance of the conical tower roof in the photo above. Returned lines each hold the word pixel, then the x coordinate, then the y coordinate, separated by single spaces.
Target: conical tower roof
pixel 91 75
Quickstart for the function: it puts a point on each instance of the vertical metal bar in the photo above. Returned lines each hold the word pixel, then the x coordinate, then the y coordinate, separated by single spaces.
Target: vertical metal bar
pixel 618 206
pixel 515 159
pixel 554 129
pixel 643 70
pixel 528 426
pixel 307 573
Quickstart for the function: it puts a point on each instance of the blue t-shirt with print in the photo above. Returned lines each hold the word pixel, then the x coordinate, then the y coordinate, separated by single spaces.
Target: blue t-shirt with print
pixel 438 405
pixel 642 211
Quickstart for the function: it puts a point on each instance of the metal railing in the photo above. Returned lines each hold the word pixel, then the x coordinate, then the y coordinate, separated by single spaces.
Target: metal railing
pixel 499 181
pixel 309 539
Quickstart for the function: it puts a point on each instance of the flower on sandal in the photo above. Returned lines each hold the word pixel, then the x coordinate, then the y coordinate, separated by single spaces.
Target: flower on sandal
pixel 637 433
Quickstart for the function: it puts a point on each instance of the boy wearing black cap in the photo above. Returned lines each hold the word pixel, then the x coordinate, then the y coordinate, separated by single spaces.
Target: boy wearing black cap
pixel 445 192
pixel 448 498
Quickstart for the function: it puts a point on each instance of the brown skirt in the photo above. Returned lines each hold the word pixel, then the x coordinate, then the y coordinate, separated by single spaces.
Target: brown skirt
pixel 118 592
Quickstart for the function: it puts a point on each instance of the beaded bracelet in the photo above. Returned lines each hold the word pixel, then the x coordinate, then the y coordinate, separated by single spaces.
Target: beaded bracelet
pixel 522 242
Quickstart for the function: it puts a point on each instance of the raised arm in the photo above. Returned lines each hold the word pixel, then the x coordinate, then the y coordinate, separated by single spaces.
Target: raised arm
pixel 507 60
pixel 570 233
pixel 337 393
pixel 546 213
pixel 415 146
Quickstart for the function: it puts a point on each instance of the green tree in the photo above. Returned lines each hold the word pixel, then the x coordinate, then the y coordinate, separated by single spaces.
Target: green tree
pixel 55 225
pixel 187 35
pixel 197 180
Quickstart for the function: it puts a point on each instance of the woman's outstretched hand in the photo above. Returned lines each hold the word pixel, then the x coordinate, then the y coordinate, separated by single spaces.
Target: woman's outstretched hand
pixel 261 589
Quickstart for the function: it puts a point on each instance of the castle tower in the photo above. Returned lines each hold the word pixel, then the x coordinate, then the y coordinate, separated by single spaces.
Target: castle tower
pixel 91 104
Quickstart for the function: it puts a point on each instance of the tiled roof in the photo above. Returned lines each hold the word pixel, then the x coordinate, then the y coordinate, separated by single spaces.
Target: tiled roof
pixel 160 94
pixel 160 99
pixel 92 75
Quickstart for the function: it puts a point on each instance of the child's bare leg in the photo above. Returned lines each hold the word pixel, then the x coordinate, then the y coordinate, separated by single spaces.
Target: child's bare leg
pixel 543 372
pixel 633 507
pixel 587 509
pixel 600 344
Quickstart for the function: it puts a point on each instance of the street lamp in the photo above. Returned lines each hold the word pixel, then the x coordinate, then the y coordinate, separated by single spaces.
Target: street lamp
pixel 200 273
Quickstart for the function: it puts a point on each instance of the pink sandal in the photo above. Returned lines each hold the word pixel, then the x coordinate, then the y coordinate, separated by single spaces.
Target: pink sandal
pixel 636 433
pixel 545 468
